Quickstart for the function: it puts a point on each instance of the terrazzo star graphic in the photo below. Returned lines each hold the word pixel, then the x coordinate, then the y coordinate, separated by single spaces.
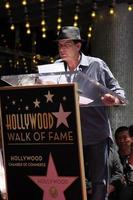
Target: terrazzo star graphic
pixel 36 102
pixel 52 184
pixel 49 97
pixel 61 116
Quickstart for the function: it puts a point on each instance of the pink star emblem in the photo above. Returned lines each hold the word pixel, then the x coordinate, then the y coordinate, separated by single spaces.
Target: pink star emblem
pixel 61 116
pixel 52 184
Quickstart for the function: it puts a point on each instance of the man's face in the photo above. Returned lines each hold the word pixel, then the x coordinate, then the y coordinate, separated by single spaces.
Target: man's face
pixel 68 50
pixel 124 140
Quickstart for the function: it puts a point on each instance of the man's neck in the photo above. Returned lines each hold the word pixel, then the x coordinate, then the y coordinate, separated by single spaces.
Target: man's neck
pixel 72 65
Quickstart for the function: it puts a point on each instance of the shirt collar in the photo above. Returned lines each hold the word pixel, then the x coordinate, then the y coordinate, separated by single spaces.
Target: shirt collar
pixel 84 60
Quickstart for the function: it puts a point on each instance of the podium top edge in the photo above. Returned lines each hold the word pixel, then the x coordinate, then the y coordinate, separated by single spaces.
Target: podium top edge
pixel 2 88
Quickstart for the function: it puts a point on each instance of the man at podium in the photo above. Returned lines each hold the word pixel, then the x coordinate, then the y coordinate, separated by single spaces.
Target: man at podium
pixel 95 124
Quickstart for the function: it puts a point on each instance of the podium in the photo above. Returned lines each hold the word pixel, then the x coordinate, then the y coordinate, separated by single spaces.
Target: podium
pixel 89 90
pixel 41 133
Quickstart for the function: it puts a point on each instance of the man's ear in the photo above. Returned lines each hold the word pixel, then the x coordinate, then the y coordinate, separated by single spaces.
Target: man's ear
pixel 78 45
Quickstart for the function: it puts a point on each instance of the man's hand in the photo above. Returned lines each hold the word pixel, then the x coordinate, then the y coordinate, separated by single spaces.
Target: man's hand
pixel 110 189
pixel 110 100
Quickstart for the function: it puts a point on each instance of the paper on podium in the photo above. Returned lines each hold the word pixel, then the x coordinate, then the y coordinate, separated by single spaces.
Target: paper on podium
pixel 90 91
pixel 51 68
pixel 84 100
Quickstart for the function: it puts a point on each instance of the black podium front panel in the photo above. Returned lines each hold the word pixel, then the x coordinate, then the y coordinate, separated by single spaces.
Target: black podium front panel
pixel 42 143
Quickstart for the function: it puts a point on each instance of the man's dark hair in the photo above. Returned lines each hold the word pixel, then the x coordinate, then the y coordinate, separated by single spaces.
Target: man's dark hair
pixel 77 41
pixel 119 130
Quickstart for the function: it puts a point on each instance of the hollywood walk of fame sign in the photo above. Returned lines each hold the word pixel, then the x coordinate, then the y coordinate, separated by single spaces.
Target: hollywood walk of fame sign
pixel 42 142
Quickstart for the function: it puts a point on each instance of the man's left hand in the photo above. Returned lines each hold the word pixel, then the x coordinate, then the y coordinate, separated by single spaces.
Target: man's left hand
pixel 110 100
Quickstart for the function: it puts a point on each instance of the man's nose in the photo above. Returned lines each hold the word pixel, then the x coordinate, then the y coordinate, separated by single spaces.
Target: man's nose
pixel 62 49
